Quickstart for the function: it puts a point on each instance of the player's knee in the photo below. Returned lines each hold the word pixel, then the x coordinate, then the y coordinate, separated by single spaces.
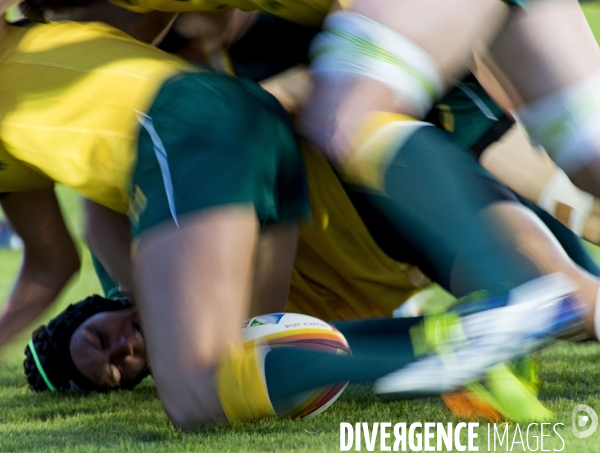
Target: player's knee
pixel 189 399
pixel 232 390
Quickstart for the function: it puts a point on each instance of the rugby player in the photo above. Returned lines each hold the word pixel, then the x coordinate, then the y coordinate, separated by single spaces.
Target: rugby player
pixel 376 60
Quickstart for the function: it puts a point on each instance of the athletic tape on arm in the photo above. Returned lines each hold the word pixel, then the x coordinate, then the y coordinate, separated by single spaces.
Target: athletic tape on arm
pixel 569 204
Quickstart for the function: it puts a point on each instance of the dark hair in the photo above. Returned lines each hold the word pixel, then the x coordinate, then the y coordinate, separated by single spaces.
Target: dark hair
pixel 36 10
pixel 51 344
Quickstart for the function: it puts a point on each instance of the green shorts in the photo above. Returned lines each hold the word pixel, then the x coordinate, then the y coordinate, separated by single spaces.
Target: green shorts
pixel 212 140
pixel 471 116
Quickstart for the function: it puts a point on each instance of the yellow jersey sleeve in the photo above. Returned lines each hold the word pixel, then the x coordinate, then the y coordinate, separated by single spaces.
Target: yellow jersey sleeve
pixel 306 12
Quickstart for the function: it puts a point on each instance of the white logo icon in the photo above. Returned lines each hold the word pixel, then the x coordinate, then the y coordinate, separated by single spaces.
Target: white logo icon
pixel 580 421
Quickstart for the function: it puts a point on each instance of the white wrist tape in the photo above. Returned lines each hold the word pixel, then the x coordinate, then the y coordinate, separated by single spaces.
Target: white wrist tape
pixel 566 123
pixel 352 44
pixel 569 204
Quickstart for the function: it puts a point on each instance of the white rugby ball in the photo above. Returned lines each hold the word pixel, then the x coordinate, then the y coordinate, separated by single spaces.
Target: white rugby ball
pixel 278 330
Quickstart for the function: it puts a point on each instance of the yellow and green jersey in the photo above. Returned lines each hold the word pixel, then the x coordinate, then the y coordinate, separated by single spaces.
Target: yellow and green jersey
pixel 70 93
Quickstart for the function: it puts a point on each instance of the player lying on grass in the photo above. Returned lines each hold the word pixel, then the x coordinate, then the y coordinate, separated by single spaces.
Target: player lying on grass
pixel 97 345
pixel 126 116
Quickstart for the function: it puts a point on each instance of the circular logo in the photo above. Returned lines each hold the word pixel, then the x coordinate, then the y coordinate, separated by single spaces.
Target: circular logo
pixel 580 420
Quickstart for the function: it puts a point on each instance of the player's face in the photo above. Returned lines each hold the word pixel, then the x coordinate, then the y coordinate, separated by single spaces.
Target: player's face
pixel 108 348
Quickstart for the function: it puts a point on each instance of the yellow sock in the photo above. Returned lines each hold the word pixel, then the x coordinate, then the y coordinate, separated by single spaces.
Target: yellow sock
pixel 376 144
pixel 241 385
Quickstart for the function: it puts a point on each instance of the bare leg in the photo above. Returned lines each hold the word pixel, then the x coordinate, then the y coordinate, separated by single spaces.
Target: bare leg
pixel 50 258
pixel 514 162
pixel 525 232
pixel 546 47
pixel 193 291
pixel 447 31
pixel 545 52
pixel 529 173
pixel 273 269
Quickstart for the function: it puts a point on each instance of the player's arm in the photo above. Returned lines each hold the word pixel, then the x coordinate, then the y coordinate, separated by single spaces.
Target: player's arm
pixel 108 235
pixel 50 258
pixel 291 88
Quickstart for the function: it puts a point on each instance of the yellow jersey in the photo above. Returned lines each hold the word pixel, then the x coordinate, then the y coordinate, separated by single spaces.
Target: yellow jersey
pixel 305 12
pixel 69 94
pixel 340 273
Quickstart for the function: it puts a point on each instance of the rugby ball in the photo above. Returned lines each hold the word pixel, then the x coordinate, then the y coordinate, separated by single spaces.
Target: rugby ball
pixel 287 330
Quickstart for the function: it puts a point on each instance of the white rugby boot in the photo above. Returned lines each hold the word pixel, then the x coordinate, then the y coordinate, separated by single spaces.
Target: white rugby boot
pixel 536 312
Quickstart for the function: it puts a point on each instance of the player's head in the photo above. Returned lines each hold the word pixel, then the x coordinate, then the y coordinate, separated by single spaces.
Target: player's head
pixel 93 345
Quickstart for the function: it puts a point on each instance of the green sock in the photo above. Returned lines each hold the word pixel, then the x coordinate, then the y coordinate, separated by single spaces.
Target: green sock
pixel 375 353
pixel 428 212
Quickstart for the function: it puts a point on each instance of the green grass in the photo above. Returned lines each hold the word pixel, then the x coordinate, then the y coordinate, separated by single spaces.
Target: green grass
pixel 134 421
pixel 592 14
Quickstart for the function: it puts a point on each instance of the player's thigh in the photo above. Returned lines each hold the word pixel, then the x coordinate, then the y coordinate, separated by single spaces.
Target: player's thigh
pixel 545 47
pixel 445 29
pixel 401 63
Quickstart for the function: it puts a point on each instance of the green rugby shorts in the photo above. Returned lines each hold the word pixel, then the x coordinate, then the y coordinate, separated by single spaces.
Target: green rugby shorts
pixel 211 140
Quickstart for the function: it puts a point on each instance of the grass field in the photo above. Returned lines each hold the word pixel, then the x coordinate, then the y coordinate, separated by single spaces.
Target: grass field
pixel 134 421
